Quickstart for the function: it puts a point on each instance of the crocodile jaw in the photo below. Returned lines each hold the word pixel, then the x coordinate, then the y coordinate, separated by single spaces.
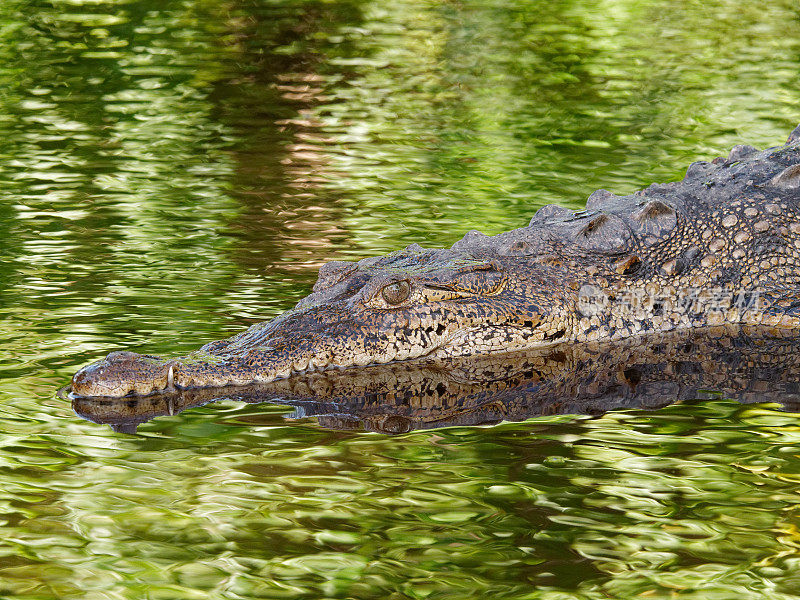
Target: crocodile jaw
pixel 123 373
pixel 264 353
pixel 126 373
pixel 267 352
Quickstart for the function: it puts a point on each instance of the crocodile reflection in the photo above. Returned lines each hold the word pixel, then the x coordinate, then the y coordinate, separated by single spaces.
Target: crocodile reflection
pixel 744 364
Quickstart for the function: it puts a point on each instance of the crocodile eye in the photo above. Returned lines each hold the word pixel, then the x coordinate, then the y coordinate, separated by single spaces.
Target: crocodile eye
pixel 396 292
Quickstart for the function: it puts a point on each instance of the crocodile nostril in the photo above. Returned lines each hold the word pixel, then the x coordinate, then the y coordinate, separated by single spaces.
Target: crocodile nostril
pixel 84 381
pixel 79 378
pixel 121 356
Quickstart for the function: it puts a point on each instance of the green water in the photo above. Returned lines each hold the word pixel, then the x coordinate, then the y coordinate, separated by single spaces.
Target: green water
pixel 175 170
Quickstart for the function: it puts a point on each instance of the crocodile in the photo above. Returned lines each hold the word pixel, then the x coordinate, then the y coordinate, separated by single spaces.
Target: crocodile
pixel 739 363
pixel 721 246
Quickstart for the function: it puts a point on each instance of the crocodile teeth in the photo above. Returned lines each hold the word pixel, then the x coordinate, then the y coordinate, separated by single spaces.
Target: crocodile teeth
pixel 315 364
pixel 171 378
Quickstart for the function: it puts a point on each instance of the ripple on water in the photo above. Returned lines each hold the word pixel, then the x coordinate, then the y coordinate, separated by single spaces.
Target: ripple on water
pixel 175 171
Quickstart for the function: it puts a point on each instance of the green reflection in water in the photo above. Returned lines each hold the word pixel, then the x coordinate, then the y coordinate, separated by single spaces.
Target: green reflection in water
pixel 175 170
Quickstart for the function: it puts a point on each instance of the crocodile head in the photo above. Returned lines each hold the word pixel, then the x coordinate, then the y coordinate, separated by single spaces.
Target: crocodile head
pixel 410 304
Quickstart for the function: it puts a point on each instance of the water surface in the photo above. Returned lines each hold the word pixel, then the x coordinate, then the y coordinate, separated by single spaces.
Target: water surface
pixel 174 171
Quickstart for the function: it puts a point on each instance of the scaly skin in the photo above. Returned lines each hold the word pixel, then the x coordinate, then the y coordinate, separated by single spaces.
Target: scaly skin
pixel 721 246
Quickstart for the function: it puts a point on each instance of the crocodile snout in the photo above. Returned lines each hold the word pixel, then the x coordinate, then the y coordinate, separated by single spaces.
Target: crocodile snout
pixel 123 373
